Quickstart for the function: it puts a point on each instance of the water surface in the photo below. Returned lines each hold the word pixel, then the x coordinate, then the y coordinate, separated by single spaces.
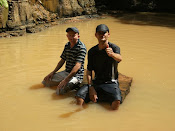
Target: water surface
pixel 148 56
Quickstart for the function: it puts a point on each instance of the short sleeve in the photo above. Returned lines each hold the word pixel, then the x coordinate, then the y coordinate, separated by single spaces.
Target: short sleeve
pixel 63 55
pixel 115 48
pixel 90 61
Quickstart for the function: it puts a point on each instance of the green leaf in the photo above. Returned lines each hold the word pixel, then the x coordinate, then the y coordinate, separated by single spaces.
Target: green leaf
pixel 4 3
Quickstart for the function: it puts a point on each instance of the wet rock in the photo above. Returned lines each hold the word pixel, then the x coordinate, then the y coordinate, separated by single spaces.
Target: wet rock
pixel 35 29
pixel 3 34
pixel 16 33
pixel 124 84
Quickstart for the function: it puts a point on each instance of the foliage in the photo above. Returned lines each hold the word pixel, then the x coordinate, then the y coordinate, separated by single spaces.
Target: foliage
pixel 4 3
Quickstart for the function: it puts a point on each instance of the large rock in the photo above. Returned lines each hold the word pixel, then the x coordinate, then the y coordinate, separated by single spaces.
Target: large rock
pixel 32 16
pixel 124 83
pixel 23 17
pixel 3 16
pixel 67 8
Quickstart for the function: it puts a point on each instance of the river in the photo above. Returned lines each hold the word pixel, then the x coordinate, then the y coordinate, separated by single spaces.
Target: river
pixel 148 52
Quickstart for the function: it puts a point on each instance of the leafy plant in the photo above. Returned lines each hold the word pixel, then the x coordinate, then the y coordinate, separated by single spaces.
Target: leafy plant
pixel 4 3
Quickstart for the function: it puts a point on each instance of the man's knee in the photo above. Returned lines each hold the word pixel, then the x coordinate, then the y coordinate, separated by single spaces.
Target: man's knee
pixel 115 105
pixel 50 83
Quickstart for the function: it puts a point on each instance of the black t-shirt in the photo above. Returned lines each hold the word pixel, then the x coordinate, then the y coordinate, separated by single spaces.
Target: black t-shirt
pixel 101 63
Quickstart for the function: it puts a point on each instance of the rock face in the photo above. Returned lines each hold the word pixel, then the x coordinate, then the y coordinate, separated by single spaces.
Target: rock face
pixel 3 16
pixel 35 15
pixel 124 84
pixel 70 7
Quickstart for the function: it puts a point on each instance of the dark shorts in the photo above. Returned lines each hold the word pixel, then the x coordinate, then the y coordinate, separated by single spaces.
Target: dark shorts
pixel 107 92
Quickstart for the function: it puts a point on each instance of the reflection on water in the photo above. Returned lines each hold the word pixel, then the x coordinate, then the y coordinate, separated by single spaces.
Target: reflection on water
pixel 147 47
pixel 145 18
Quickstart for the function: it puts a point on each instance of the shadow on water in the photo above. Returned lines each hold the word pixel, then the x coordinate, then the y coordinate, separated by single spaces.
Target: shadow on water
pixel 40 86
pixel 37 86
pixel 66 95
pixel 146 18
pixel 63 96
pixel 85 106
pixel 54 95
pixel 66 115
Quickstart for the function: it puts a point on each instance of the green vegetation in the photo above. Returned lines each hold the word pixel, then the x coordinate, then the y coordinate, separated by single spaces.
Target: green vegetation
pixel 4 3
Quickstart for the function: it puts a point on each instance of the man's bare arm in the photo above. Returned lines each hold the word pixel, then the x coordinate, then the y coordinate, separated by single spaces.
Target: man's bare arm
pixel 64 82
pixel 115 56
pixel 92 92
pixel 59 65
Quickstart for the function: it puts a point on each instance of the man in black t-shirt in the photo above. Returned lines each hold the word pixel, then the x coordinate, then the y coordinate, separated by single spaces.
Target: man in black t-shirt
pixel 103 59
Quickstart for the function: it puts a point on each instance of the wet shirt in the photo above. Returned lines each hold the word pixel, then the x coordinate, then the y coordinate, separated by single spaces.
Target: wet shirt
pixel 101 63
pixel 74 55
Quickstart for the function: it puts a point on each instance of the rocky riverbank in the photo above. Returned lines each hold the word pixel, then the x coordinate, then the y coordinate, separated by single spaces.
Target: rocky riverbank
pixel 34 28
pixel 30 16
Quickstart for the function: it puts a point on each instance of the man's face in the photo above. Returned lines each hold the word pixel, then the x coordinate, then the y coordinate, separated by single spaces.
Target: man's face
pixel 72 36
pixel 102 36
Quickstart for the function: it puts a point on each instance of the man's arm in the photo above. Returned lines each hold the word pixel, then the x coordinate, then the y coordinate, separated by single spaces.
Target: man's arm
pixel 92 92
pixel 89 77
pixel 115 56
pixel 71 74
pixel 59 65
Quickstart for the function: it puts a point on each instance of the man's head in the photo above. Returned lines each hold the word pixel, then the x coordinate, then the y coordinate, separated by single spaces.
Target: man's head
pixel 72 34
pixel 102 32
pixel 102 27
pixel 74 29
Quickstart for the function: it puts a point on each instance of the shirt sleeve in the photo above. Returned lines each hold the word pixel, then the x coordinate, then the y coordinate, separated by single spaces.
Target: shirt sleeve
pixel 90 61
pixel 63 55
pixel 116 49
pixel 81 55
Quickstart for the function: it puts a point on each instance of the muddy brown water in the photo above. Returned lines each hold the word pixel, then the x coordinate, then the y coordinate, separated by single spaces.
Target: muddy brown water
pixel 148 52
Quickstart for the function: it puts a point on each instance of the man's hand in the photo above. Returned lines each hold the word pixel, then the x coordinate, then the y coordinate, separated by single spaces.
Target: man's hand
pixel 109 51
pixel 49 76
pixel 92 94
pixel 62 84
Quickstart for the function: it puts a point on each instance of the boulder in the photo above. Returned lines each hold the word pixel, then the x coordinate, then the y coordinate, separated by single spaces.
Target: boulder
pixel 3 17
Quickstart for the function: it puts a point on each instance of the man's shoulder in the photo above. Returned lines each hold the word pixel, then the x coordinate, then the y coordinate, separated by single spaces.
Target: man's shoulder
pixel 81 44
pixel 113 45
pixel 93 48
pixel 67 44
